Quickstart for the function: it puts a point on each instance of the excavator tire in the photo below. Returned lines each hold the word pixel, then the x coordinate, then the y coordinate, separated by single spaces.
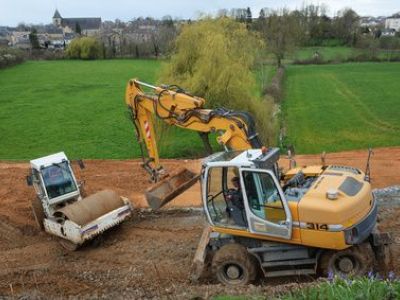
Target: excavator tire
pixel 232 265
pixel 354 261
pixel 38 213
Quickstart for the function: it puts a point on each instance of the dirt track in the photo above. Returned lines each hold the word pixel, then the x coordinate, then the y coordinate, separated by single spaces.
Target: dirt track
pixel 148 256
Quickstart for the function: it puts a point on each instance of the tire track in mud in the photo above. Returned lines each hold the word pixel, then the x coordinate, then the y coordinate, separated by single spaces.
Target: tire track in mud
pixel 359 107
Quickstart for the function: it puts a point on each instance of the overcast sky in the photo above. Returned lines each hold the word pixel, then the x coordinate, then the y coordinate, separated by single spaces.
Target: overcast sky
pixel 13 12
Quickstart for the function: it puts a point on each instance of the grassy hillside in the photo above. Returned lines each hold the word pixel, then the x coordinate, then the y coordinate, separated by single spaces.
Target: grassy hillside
pixel 341 107
pixel 78 107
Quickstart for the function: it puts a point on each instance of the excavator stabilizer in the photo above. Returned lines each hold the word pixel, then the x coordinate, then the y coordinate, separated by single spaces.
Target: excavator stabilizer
pixel 200 262
pixel 167 189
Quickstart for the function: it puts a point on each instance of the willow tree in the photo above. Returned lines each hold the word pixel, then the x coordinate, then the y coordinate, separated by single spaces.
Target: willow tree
pixel 213 59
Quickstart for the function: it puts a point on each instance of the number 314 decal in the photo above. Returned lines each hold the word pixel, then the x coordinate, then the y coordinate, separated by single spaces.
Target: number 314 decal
pixel 316 226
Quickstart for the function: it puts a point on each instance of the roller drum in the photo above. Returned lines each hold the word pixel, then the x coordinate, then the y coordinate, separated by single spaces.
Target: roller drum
pixel 90 208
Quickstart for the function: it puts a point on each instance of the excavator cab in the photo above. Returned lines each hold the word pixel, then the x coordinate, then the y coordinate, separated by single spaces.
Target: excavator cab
pixel 257 204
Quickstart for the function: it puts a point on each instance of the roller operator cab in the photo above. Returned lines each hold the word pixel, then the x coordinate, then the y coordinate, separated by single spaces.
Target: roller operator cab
pixel 310 219
pixel 60 209
pixel 53 180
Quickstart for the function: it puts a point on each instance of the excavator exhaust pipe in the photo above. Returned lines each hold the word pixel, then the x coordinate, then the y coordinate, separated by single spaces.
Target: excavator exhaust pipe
pixel 167 189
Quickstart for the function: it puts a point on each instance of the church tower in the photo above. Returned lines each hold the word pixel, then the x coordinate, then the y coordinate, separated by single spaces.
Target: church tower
pixel 57 19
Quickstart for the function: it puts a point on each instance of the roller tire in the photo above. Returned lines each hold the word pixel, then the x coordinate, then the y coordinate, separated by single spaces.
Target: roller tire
pixel 232 265
pixel 38 213
pixel 68 245
pixel 360 256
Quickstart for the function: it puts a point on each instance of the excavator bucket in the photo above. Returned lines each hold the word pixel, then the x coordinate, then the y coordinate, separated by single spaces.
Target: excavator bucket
pixel 167 189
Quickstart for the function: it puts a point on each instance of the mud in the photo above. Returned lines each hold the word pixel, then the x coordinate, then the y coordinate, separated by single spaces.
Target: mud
pixel 150 255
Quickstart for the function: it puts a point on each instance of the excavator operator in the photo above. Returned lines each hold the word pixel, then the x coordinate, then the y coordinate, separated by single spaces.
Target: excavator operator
pixel 235 205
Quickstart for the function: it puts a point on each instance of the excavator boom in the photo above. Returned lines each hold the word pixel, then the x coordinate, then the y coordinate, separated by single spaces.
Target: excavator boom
pixel 176 107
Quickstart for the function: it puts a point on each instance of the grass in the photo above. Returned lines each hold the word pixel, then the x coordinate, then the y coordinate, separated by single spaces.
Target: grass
pixel 339 54
pixel 347 289
pixel 264 75
pixel 77 107
pixel 371 287
pixel 327 53
pixel 342 107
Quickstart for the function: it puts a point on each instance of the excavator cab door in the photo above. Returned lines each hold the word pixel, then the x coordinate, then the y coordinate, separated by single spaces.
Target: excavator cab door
pixel 267 210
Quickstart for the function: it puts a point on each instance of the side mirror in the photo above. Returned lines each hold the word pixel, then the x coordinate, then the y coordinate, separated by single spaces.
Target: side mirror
pixel 81 164
pixel 29 180
pixel 292 150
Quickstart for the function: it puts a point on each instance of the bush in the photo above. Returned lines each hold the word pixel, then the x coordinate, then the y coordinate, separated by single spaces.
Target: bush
pixel 84 48
pixel 46 54
pixel 10 57
pixel 213 59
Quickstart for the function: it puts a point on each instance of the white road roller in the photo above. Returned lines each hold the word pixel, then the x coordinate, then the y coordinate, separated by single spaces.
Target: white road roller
pixel 60 209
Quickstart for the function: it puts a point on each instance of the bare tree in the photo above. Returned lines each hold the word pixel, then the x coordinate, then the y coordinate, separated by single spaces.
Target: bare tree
pixel 279 32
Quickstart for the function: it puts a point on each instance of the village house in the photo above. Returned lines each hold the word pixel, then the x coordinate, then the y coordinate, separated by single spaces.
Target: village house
pixel 20 39
pixel 4 36
pixel 50 37
pixel 393 22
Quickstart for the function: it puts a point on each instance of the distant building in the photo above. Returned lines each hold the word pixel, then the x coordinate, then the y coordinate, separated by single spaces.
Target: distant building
pixel 87 26
pixel 4 36
pixel 370 21
pixel 50 37
pixel 388 32
pixel 20 39
pixel 393 22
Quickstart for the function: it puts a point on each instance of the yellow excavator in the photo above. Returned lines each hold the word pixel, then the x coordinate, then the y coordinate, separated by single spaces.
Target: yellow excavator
pixel 262 222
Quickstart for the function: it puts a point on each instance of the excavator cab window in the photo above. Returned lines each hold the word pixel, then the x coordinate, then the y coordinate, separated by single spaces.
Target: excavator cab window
pixel 224 198
pixel 58 180
pixel 263 197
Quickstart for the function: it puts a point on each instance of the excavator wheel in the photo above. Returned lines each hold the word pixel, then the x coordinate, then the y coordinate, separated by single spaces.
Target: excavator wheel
pixel 38 213
pixel 355 261
pixel 232 265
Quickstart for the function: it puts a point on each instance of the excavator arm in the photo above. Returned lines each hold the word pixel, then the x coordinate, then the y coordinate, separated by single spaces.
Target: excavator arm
pixel 176 107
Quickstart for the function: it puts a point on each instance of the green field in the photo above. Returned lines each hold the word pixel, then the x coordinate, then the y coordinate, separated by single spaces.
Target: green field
pixel 338 54
pixel 78 107
pixel 342 107
pixel 326 53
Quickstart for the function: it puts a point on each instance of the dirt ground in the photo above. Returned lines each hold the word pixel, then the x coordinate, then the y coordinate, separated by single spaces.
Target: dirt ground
pixel 148 256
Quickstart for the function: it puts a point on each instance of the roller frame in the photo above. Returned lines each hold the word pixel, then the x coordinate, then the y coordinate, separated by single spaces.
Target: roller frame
pixel 75 231
pixel 79 234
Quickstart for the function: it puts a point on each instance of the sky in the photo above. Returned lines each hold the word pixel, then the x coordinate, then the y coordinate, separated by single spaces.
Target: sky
pixel 13 12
